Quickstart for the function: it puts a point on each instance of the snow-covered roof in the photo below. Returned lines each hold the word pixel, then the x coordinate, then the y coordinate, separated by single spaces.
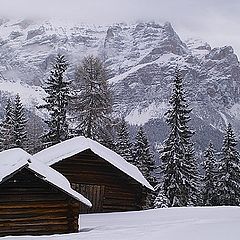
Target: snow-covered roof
pixel 15 159
pixel 76 145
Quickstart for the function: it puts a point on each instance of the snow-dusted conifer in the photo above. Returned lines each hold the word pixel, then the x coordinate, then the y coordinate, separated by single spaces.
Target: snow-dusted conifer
pixel 108 142
pixel 92 104
pixel 19 125
pixel 123 145
pixel 179 167
pixel 143 156
pixel 6 127
pixel 35 129
pixel 210 177
pixel 57 99
pixel 143 159
pixel 228 185
pixel 161 200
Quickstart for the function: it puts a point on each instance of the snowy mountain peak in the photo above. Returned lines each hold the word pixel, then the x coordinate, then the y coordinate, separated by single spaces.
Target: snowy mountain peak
pixel 141 59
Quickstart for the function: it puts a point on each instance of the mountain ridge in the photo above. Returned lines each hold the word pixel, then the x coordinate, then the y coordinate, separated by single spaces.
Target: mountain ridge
pixel 141 59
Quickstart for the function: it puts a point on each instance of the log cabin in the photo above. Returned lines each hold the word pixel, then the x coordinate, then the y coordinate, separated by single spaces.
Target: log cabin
pixel 34 198
pixel 104 177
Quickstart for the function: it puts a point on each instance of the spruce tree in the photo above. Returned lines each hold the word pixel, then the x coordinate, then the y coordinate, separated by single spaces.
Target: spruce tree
pixel 19 125
pixel 35 129
pixel 179 167
pixel 210 177
pixel 228 185
pixel 143 159
pixel 123 145
pixel 161 201
pixel 57 99
pixel 6 127
pixel 92 104
pixel 107 138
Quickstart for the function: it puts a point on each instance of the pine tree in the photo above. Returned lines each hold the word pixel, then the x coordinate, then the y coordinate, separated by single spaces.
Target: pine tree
pixel 123 145
pixel 228 185
pixel 92 104
pixel 57 99
pixel 6 128
pixel 143 156
pixel 210 177
pixel 35 129
pixel 19 125
pixel 179 167
pixel 161 200
pixel 107 138
pixel 145 162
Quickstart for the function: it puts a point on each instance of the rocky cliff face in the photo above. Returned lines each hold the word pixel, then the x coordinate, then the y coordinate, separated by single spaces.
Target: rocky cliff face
pixel 141 59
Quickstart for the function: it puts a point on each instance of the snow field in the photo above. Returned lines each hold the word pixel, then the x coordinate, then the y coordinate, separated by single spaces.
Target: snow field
pixel 199 223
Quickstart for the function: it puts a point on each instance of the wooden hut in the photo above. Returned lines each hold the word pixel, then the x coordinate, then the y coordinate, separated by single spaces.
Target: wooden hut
pixel 104 177
pixel 34 198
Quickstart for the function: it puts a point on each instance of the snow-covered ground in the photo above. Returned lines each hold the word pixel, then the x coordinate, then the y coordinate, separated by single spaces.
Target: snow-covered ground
pixel 219 223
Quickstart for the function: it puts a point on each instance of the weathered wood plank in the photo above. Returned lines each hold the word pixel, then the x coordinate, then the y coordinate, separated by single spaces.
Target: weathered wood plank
pixel 121 192
pixel 35 207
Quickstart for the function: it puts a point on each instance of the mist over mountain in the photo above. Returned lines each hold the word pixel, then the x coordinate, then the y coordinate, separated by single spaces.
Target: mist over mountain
pixel 141 59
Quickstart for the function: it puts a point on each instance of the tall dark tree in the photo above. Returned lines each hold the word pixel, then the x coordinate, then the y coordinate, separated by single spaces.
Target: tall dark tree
pixel 179 167
pixel 161 201
pixel 35 129
pixel 210 177
pixel 6 127
pixel 19 125
pixel 57 99
pixel 144 160
pixel 92 104
pixel 228 186
pixel 123 146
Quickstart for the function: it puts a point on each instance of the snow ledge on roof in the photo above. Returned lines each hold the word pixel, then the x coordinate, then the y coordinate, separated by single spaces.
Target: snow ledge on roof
pixel 14 159
pixel 76 145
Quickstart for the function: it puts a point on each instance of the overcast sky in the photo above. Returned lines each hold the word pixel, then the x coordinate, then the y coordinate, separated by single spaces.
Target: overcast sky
pixel 215 21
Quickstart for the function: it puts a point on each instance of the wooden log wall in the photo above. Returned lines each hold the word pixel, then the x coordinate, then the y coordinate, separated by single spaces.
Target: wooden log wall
pixel 29 205
pixel 89 173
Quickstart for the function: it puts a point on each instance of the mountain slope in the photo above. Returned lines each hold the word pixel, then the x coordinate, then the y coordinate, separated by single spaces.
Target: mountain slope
pixel 141 59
